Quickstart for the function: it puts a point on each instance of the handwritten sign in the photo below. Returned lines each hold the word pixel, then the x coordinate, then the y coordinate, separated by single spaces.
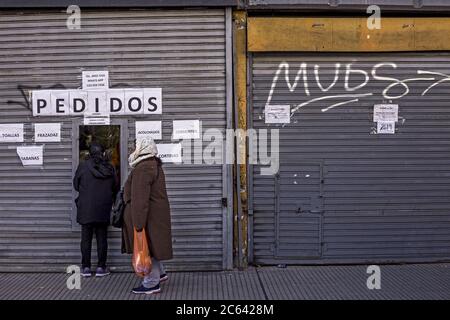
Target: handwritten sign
pixel 385 127
pixel 277 113
pixel 95 80
pixel 11 132
pixel 47 132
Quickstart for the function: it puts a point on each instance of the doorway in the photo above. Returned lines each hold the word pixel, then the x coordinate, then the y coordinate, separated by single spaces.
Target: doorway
pixel 108 136
pixel 113 137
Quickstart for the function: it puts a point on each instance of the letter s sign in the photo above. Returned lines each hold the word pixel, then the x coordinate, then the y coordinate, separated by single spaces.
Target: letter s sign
pixel 153 101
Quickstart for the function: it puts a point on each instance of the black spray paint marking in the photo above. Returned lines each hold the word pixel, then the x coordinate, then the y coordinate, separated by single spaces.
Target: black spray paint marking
pixel 24 89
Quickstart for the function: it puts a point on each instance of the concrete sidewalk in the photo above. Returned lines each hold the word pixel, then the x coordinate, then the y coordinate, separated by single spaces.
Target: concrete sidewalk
pixel 421 281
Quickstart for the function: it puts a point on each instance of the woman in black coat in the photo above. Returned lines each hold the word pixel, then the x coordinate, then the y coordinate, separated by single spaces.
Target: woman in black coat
pixel 96 182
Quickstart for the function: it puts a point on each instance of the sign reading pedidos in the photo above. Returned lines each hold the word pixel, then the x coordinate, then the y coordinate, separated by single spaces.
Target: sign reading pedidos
pixel 109 101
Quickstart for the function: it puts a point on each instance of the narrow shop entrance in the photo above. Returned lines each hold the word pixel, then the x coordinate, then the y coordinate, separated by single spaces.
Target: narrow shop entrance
pixel 107 136
pixel 113 137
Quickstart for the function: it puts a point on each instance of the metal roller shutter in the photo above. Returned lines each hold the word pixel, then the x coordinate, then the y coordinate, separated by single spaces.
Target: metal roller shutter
pixel 345 193
pixel 181 51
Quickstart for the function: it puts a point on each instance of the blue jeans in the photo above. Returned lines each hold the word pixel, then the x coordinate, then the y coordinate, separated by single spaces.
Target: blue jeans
pixel 152 279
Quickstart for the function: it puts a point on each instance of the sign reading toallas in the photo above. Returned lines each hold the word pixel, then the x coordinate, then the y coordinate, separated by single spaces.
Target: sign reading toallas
pixel 11 132
pixel 109 101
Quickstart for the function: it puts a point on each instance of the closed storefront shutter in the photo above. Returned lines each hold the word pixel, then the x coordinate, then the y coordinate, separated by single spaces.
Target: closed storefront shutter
pixel 182 52
pixel 346 191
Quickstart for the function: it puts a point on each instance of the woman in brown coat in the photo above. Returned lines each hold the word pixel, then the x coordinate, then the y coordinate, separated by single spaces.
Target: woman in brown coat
pixel 148 207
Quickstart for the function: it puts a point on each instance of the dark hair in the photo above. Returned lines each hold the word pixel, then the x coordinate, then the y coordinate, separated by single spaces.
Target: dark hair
pixel 96 151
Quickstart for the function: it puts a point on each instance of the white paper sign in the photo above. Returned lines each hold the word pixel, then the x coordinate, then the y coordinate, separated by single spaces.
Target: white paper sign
pixel 148 129
pixel 96 102
pixel 96 120
pixel 31 155
pixel 385 127
pixel 169 152
pixel 40 99
pixel 95 80
pixel 111 101
pixel 277 114
pixel 78 102
pixel 152 101
pixel 11 132
pixel 47 132
pixel 60 99
pixel 114 101
pixel 385 112
pixel 134 102
pixel 186 129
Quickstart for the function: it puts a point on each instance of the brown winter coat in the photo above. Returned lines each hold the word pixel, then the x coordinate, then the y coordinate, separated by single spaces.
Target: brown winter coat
pixel 147 206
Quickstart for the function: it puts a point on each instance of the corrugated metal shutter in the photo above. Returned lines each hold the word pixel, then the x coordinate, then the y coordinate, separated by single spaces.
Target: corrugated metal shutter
pixel 181 51
pixel 382 197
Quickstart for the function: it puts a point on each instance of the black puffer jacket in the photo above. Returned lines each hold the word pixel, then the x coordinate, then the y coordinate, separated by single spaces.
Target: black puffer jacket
pixel 96 183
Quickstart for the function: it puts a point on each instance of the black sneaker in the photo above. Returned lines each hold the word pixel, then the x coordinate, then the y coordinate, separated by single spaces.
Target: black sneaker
pixel 101 272
pixel 86 272
pixel 142 289
pixel 163 277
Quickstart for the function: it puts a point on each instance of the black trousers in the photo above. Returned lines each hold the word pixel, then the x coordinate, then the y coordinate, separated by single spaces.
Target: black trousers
pixel 87 233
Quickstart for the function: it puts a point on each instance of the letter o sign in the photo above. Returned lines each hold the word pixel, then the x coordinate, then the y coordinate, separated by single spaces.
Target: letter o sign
pixel 134 102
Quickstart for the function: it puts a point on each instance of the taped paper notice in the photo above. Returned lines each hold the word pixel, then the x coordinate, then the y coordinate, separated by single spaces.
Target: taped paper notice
pixel 96 120
pixel 96 103
pixel 148 129
pixel 277 114
pixel 106 101
pixel 11 132
pixel 47 132
pixel 169 152
pixel 385 127
pixel 186 129
pixel 385 112
pixel 31 156
pixel 95 80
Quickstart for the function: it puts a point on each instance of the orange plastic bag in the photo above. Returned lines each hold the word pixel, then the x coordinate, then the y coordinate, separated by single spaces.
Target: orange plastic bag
pixel 142 262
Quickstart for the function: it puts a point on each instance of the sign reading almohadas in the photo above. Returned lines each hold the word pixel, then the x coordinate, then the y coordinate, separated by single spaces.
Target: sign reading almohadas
pixel 106 102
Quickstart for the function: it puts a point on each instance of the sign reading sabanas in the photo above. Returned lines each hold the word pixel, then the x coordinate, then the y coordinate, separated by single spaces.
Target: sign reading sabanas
pixel 107 101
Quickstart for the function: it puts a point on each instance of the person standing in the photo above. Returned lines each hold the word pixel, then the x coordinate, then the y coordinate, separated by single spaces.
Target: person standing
pixel 147 207
pixel 96 182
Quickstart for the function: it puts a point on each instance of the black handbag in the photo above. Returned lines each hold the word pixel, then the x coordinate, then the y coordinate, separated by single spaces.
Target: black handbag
pixel 118 210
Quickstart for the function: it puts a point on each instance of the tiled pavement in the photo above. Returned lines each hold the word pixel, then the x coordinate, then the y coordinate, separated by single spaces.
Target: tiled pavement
pixel 420 281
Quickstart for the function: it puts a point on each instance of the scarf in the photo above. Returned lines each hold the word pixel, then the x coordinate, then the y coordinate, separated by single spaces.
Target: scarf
pixel 145 148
